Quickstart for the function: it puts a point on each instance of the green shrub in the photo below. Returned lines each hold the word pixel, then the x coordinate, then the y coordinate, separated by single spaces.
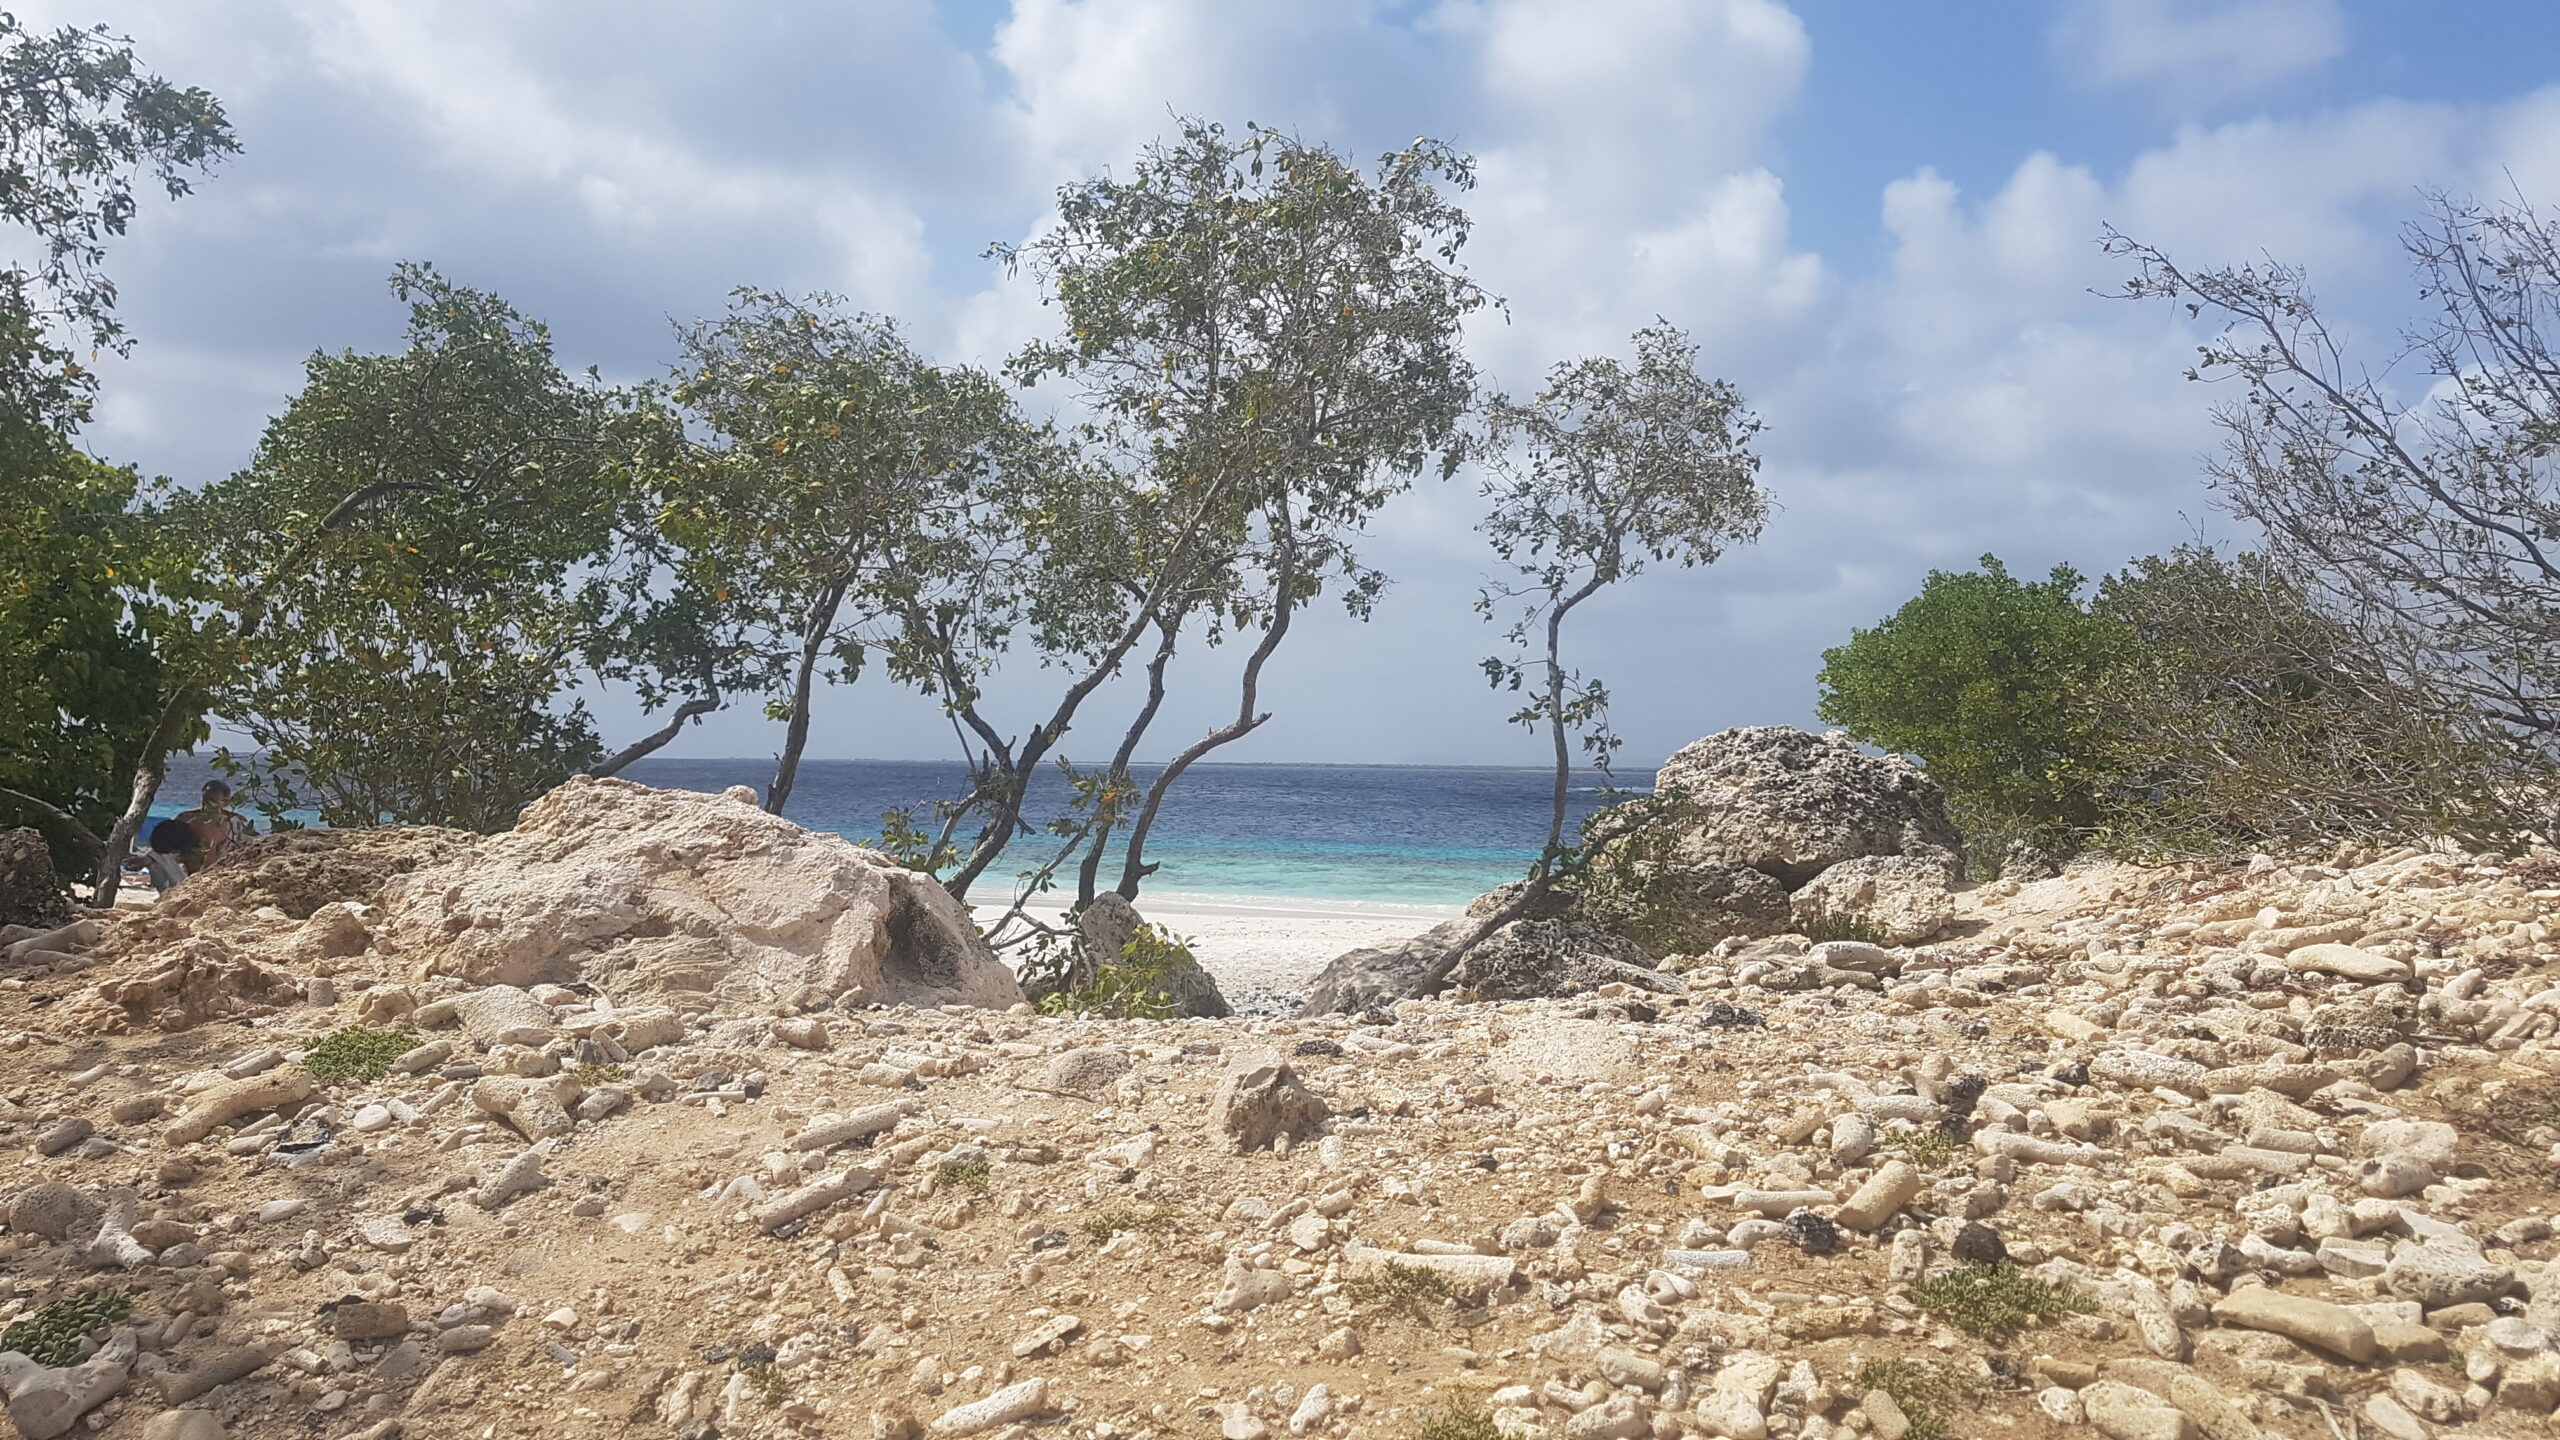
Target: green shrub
pixel 356 1053
pixel 1119 1218
pixel 1455 1423
pixel 1133 989
pixel 1986 679
pixel 1927 1149
pixel 53 1334
pixel 961 1175
pixel 1399 1284
pixel 1927 1393
pixel 1994 1302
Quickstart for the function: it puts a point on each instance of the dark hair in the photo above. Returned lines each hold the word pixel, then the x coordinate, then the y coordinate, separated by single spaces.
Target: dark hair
pixel 169 837
pixel 223 787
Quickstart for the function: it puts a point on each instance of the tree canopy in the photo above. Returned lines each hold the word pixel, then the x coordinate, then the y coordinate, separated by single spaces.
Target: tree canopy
pixel 1991 680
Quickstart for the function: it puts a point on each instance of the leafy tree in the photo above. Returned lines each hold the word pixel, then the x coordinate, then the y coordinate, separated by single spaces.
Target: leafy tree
pixel 424 544
pixel 1988 679
pixel 1266 337
pixel 84 626
pixel 851 480
pixel 81 124
pixel 2421 517
pixel 2194 704
pixel 1610 467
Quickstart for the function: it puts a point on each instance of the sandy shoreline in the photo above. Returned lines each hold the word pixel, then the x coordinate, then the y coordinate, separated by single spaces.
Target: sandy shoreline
pixel 1264 949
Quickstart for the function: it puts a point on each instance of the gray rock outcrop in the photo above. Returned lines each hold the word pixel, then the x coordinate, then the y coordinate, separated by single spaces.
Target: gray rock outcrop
pixel 1888 899
pixel 1527 959
pixel 1792 804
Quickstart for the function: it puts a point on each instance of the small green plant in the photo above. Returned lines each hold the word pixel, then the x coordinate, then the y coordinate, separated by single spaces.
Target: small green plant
pixel 53 1334
pixel 1456 1423
pixel 1927 1393
pixel 1994 1302
pixel 594 1073
pixel 1927 1149
pixel 1832 925
pixel 961 1175
pixel 769 1386
pixel 1398 1284
pixel 1111 1222
pixel 356 1053
pixel 1133 989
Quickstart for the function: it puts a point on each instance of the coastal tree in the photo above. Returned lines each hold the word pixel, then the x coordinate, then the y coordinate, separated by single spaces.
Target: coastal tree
pixel 83 126
pixel 406 573
pixel 1265 337
pixel 1989 680
pixel 85 629
pixel 2422 516
pixel 847 478
pixel 1611 467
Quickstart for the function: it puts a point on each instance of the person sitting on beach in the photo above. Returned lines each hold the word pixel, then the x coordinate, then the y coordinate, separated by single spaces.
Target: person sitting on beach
pixel 170 841
pixel 217 828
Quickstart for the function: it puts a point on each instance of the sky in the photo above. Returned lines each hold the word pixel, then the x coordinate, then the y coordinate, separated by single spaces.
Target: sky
pixel 1879 221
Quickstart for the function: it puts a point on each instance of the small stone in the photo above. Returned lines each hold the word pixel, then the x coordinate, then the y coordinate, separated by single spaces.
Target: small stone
pixel 2128 1412
pixel 2392 1418
pixel 1245 1290
pixel 1620 1417
pixel 2439 1275
pixel 1884 1416
pixel 2349 962
pixel 185 1425
pixel 1046 1334
pixel 63 1135
pixel 2389 1177
pixel 369 1320
pixel 1893 1186
pixel 1260 1101
pixel 2426 1398
pixel 55 1211
pixel 371 1118
pixel 386 1233
pixel 1624 1367
pixel 1811 1233
pixel 465 1339
pixel 2315 1323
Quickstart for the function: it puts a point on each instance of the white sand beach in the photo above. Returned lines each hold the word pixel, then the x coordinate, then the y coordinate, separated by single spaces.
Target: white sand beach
pixel 1263 949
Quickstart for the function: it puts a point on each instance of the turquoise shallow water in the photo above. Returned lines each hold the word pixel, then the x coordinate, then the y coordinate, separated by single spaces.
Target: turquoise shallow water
pixel 1394 834
pixel 1405 834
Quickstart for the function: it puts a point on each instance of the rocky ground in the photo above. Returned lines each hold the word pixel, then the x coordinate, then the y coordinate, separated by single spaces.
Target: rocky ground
pixel 2208 1152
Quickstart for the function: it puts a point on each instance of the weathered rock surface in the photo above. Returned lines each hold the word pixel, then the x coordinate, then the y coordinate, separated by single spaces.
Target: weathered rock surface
pixel 1793 804
pixel 1739 1205
pixel 1891 899
pixel 1106 927
pixel 1527 959
pixel 30 892
pixel 1379 975
pixel 674 890
pixel 298 871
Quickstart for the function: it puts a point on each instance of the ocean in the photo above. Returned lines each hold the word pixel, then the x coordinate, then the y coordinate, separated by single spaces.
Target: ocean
pixel 1374 834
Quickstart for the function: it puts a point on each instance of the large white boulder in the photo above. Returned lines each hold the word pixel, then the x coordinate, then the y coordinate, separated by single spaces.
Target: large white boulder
pixel 1793 804
pixel 643 889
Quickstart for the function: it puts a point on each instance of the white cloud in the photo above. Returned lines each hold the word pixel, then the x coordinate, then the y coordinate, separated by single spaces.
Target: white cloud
pixel 607 166
pixel 2198 53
